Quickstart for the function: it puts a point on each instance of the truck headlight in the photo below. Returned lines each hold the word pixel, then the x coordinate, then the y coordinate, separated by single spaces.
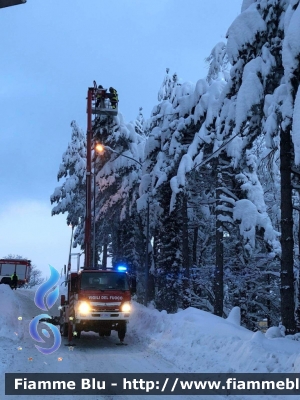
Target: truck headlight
pixel 126 307
pixel 84 307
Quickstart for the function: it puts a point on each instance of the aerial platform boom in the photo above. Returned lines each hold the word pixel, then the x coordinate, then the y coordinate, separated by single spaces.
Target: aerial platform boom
pixel 99 102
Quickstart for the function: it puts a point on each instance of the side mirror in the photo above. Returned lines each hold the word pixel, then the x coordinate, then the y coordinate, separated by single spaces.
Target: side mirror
pixel 74 285
pixel 62 300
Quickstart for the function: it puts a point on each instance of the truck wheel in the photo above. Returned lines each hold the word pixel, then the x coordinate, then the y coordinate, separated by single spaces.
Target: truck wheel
pixel 107 333
pixel 121 331
pixel 64 330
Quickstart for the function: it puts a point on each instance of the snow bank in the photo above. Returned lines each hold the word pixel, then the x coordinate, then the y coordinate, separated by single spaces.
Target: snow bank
pixel 9 313
pixel 197 341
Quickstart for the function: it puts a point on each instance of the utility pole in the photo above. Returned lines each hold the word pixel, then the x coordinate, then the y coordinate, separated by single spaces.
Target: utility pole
pixel 88 214
pixel 94 218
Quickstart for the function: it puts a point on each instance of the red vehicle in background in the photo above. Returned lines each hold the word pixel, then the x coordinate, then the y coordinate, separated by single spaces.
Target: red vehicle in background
pixel 21 267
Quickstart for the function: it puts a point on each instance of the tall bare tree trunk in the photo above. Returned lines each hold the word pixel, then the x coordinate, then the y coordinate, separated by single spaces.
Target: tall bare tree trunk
pixel 218 278
pixel 297 312
pixel 195 241
pixel 104 258
pixel 185 254
pixel 287 240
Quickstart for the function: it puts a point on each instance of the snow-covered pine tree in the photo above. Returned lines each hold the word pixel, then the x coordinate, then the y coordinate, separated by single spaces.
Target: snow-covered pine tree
pixel 139 123
pixel 254 50
pixel 289 131
pixel 199 113
pixel 70 196
pixel 174 131
pixel 118 176
pixel 158 193
pixel 168 85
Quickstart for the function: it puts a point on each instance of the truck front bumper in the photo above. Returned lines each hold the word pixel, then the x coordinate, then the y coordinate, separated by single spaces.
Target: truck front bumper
pixel 102 316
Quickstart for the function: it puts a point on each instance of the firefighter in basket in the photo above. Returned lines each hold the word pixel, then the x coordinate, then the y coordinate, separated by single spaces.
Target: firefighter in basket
pixel 101 95
pixel 113 97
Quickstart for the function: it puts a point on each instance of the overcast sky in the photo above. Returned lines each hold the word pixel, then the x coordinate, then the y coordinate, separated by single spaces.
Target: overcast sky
pixel 51 51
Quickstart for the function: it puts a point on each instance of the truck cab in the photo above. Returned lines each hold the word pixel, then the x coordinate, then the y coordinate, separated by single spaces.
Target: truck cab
pixel 9 266
pixel 98 301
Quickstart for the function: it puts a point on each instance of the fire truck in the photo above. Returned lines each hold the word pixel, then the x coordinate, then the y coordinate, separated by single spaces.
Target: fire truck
pixel 21 267
pixel 98 301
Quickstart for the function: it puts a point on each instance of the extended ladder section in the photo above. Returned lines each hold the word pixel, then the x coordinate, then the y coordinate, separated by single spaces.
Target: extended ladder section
pixel 103 103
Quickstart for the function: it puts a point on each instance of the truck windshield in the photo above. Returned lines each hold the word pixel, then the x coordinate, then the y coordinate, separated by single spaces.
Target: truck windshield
pixel 104 281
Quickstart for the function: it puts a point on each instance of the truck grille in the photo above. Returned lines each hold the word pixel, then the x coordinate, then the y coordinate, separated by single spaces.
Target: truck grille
pixel 104 315
pixel 102 308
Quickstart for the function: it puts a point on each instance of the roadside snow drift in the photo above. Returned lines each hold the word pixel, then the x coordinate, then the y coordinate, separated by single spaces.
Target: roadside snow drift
pixel 9 313
pixel 196 341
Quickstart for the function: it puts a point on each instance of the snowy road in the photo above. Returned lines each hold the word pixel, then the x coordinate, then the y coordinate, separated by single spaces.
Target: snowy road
pixel 188 341
pixel 91 354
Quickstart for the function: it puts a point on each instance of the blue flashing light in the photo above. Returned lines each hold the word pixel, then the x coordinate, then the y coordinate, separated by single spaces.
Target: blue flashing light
pixel 121 268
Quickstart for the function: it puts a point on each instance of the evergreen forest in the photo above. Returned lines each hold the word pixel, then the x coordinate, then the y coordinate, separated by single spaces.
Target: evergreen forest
pixel 201 199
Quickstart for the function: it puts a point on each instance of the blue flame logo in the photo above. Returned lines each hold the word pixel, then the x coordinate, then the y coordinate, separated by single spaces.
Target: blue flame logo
pixel 45 288
pixel 33 330
pixel 45 297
